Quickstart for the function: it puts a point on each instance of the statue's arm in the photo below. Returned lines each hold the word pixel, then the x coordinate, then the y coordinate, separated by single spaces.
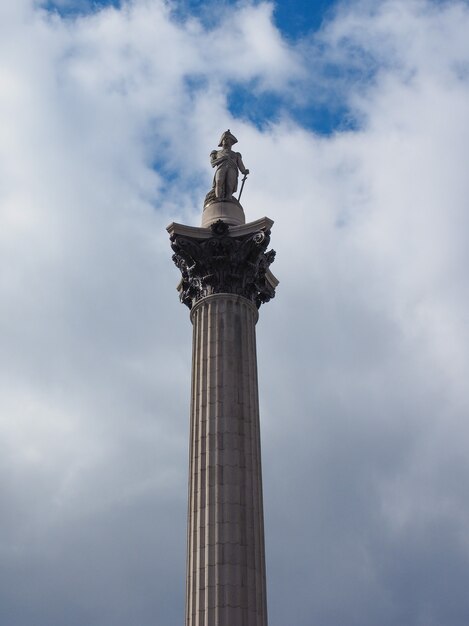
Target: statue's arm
pixel 240 164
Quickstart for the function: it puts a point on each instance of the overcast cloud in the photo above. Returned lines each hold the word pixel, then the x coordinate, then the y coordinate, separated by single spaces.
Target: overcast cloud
pixel 107 120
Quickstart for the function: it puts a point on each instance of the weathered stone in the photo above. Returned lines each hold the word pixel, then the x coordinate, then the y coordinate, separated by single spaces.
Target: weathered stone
pixel 224 259
pixel 227 163
pixel 226 560
pixel 230 212
pixel 225 277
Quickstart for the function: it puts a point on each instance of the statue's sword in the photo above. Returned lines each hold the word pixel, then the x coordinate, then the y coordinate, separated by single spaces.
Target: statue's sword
pixel 242 185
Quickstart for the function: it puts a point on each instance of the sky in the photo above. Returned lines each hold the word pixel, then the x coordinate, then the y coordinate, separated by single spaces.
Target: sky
pixel 353 120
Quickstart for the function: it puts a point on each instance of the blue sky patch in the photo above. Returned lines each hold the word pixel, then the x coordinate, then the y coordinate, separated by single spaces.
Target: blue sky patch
pixel 72 8
pixel 262 109
pixel 294 18
pixel 297 18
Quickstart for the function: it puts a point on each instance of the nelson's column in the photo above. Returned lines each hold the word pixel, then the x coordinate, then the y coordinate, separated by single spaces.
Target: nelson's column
pixel 225 279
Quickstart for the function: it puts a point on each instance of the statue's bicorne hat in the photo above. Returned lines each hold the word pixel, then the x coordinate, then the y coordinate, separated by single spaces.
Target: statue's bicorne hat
pixel 226 134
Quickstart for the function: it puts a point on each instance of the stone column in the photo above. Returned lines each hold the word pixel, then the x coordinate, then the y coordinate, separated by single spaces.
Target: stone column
pixel 226 564
pixel 225 278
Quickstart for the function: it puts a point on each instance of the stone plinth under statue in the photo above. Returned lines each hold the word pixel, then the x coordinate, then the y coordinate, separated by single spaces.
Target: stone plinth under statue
pixel 225 278
pixel 228 211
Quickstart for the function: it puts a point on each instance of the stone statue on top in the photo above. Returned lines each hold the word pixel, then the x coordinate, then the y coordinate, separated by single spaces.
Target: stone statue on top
pixel 227 163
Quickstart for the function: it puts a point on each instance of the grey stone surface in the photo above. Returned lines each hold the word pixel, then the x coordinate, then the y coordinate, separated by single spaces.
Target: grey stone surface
pixel 230 212
pixel 224 259
pixel 226 582
pixel 227 164
pixel 225 277
pixel 175 229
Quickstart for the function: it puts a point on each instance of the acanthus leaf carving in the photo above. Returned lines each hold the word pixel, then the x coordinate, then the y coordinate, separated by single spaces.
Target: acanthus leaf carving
pixel 224 264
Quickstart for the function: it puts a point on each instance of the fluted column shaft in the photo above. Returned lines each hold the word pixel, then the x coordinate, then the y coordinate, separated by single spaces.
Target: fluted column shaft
pixel 226 561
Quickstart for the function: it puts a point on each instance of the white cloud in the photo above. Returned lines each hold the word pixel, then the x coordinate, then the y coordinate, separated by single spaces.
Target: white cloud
pixel 363 360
